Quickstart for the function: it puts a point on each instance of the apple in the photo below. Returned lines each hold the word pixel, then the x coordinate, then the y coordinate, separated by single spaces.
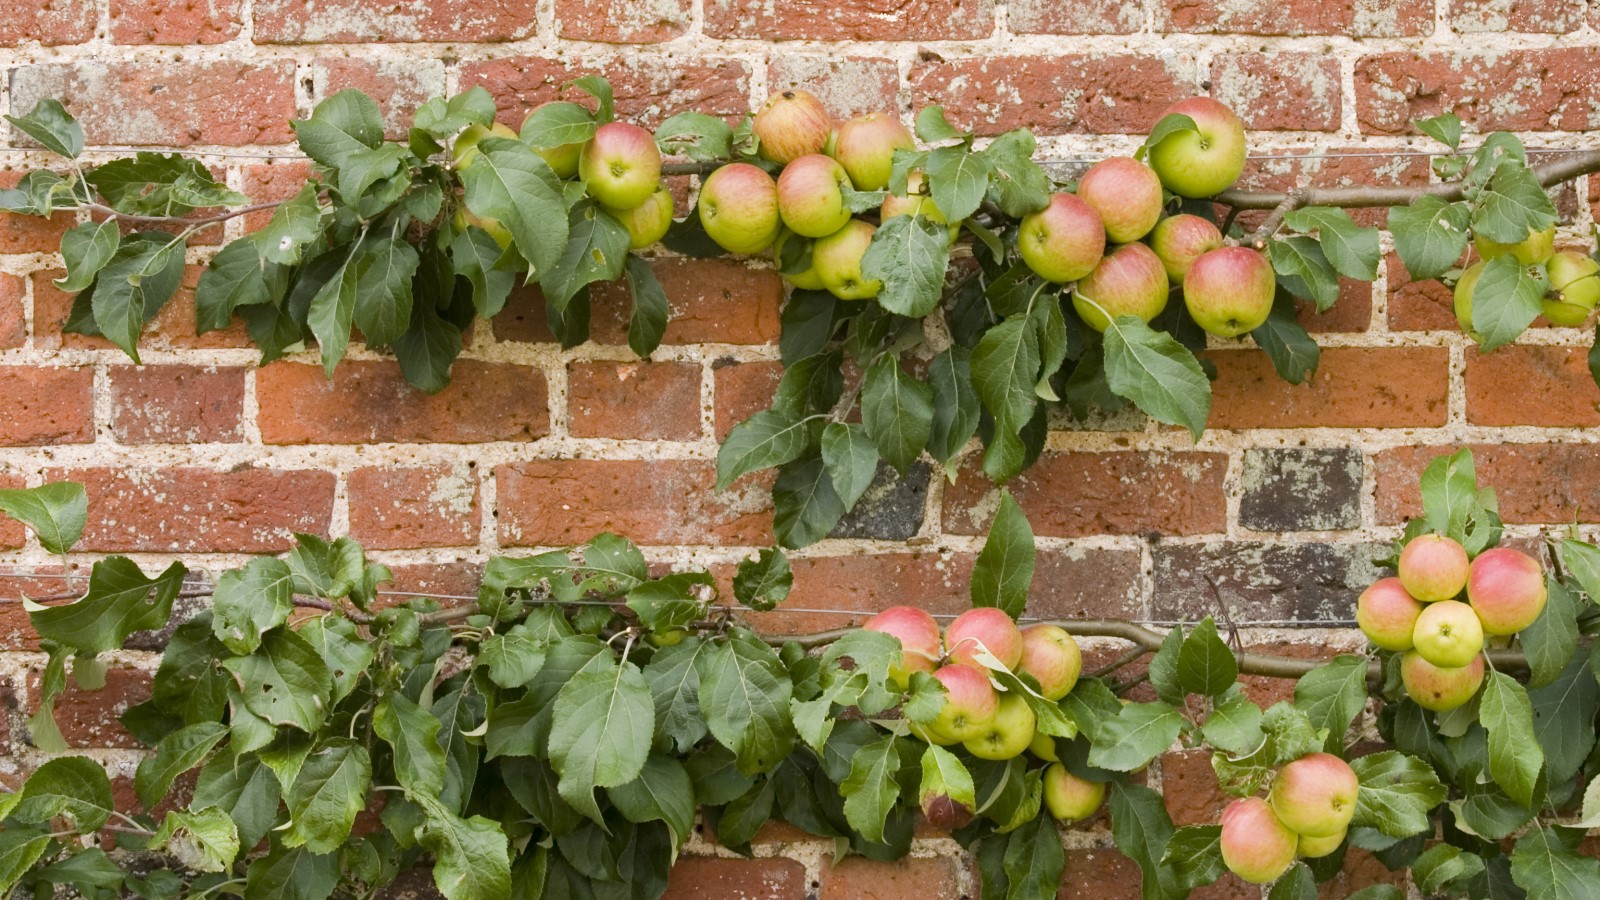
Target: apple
pixel 498 231
pixel 1043 747
pixel 1448 634
pixel 562 159
pixel 1229 290
pixel 984 628
pixel 1436 688
pixel 1463 297
pixel 837 259
pixel 739 208
pixel 932 735
pixel 1064 241
pixel 1129 281
pixel 918 634
pixel 1388 615
pixel 1574 288
pixel 648 222
pixel 865 146
pixel 464 151
pixel 1008 734
pixel 970 703
pixel 1201 163
pixel 1433 567
pixel 1180 240
pixel 1052 657
pixel 1536 248
pixel 1315 795
pixel 1126 194
pixel 1318 847
pixel 1068 797
pixel 807 280
pixel 1506 589
pixel 811 196
pixel 916 202
pixel 790 125
pixel 672 637
pixel 621 165
pixel 1255 845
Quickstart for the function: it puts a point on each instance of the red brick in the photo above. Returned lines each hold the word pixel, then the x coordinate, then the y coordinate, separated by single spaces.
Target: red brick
pixel 1282 168
pixel 1280 91
pixel 1516 90
pixel 1074 494
pixel 46 406
pixel 826 20
pixel 168 104
pixel 399 85
pixel 30 234
pixel 431 506
pixel 1535 483
pixel 1090 17
pixel 1353 18
pixel 623 23
pixel 858 878
pixel 271 181
pixel 361 21
pixel 1351 312
pixel 649 87
pixel 1054 94
pixel 92 718
pixel 16 630
pixel 1189 787
pixel 1543 16
pixel 243 510
pixel 1106 874
pixel 172 329
pixel 165 22
pixel 176 404
pixel 634 400
pixel 742 390
pixel 445 581
pixel 13 321
pixel 1418 305
pixel 695 877
pixel 1500 385
pixel 1354 387
pixel 846 85
pixel 12 533
pixel 550 502
pixel 48 22
pixel 370 402
pixel 712 301
pixel 1361 870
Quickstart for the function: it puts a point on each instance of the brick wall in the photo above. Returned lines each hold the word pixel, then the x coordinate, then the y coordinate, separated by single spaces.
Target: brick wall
pixel 1273 514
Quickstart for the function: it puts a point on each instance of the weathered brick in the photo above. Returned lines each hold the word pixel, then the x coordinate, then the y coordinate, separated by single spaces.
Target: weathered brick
pixel 172 329
pixel 623 23
pixel 1544 16
pixel 742 390
pixel 694 877
pixel 92 718
pixel 16 631
pixel 648 87
pixel 1073 494
pixel 1090 17
pixel 636 400
pixel 12 534
pixel 399 85
pixel 1189 787
pixel 46 406
pixel 165 22
pixel 828 20
pixel 360 21
pixel 1513 90
pixel 1425 305
pixel 892 507
pixel 265 182
pixel 550 502
pixel 428 506
pixel 13 320
pixel 370 402
pixel 1355 388
pixel 1280 91
pixel 446 581
pixel 1283 168
pixel 1301 489
pixel 167 104
pixel 198 510
pixel 30 234
pixel 846 85
pixel 1106 874
pixel 49 22
pixel 1354 18
pixel 1262 580
pixel 1351 312
pixel 1054 94
pixel 1361 870
pixel 176 404
pixel 930 878
pixel 1545 483
pixel 1500 386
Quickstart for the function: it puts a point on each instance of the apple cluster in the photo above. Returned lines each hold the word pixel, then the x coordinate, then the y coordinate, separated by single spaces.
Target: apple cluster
pixel 1574 279
pixel 991 722
pixel 1419 614
pixel 1306 814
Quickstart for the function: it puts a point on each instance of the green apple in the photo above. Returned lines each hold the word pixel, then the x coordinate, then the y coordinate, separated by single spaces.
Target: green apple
pixel 648 222
pixel 1129 281
pixel 1448 634
pixel 1536 248
pixel 1574 288
pixel 1180 240
pixel 811 193
pixel 1463 297
pixel 620 165
pixel 1205 162
pixel 790 243
pixel 1043 746
pixel 970 703
pixel 1008 734
pixel 1052 657
pixel 1229 291
pixel 791 124
pixel 1436 688
pixel 1062 242
pixel 464 151
pixel 916 202
pixel 739 208
pixel 1068 797
pixel 499 232
pixel 837 259
pixel 1318 847
pixel 865 146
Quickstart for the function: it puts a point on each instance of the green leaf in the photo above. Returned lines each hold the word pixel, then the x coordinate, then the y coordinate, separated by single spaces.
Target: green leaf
pixel 1157 373
pixel 1445 129
pixel 20 848
pixel 1018 185
pixel 1352 250
pixel 1397 791
pixel 662 792
pixel 71 786
pixel 285 682
pixel 295 224
pixel 1551 640
pixel 333 308
pixel 1034 860
pixel 1505 301
pixel 325 797
pixel 674 678
pixel 243 787
pixel 56 512
pixel 768 438
pixel 1003 571
pixel 1303 269
pixel 413 732
pixel 1296 884
pixel 1234 725
pixel 176 754
pixel 648 323
pixel 805 504
pixel 945 777
pixel 1442 864
pixel 871 788
pixel 744 694
pixel 933 127
pixel 1169 125
pixel 555 125
pixel 762 583
pixel 383 290
pixel 1136 735
pixel 1005 367
pixel 909 254
pixel 120 601
pixel 1205 664
pixel 235 277
pixel 328 569
pixel 1513 204
pixel 957 179
pixel 1430 235
pixel 292 874
pixel 1293 353
pixel 474 254
pixel 427 350
pixel 90 868
pixel 1563 717
pixel 203 840
pixel 138 280
pixel 341 126
pixel 600 734
pixel 1332 695
pixel 1449 487
pixel 53 127
pixel 512 659
pixel 955 403
pixel 471 859
pixel 1164 668
pixel 443 118
pixel 696 136
pixel 511 184
pixel 1194 853
pixel 596 251
pixel 251 601
pixel 1142 829
pixel 346 652
pixel 1548 864
pixel 85 250
pixel 1515 757
pixel 600 90
pixel 851 459
pixel 897 413
pixel 670 603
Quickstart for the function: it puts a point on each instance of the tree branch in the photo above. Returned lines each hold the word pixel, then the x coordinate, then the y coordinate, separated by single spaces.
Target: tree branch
pixel 200 222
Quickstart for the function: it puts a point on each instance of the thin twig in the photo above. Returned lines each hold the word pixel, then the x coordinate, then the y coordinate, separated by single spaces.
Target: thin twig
pixel 199 222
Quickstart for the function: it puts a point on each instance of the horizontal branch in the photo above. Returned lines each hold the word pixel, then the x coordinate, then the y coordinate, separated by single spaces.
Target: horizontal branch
pixel 197 222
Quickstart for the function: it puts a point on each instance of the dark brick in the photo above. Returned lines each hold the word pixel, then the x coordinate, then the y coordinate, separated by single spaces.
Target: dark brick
pixel 1301 490
pixel 892 507
pixel 1260 580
